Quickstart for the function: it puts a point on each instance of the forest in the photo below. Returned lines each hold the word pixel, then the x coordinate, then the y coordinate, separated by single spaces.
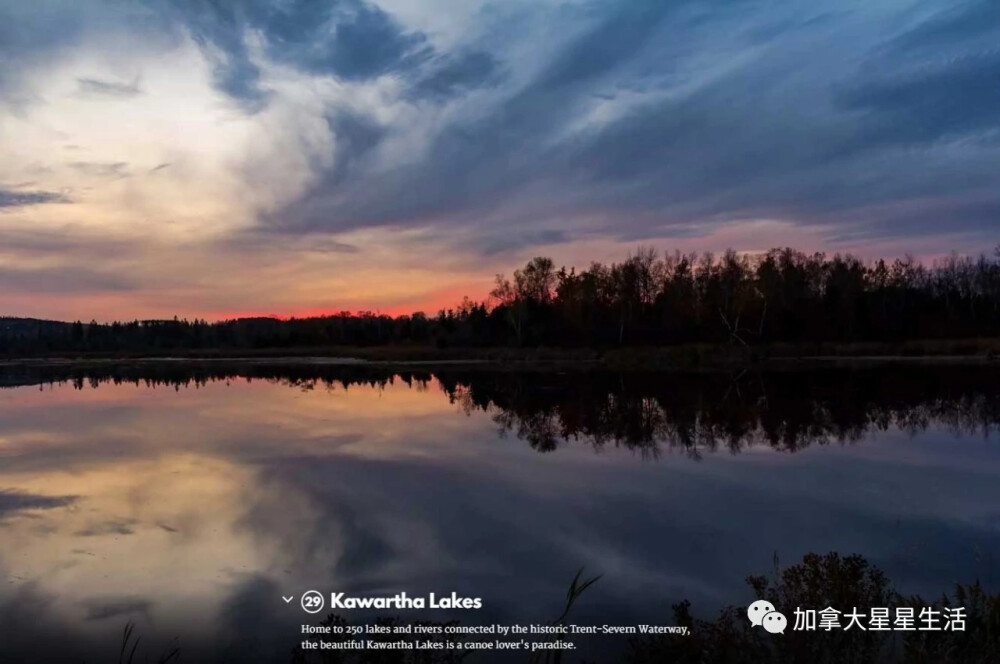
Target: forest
pixel 647 299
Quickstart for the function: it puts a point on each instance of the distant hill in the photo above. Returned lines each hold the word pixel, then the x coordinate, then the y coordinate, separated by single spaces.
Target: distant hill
pixel 22 327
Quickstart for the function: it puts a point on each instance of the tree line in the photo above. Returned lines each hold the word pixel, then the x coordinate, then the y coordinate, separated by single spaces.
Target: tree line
pixel 782 295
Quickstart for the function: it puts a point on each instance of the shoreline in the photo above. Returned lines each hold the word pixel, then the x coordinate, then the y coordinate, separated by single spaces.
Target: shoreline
pixel 693 357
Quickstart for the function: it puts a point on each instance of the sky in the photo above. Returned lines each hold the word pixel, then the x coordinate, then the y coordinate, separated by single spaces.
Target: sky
pixel 216 158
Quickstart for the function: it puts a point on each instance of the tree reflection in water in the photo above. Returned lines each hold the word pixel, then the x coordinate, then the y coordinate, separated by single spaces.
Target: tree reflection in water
pixel 643 411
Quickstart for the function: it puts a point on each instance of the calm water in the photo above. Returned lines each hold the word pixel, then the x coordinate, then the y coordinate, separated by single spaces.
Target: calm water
pixel 191 500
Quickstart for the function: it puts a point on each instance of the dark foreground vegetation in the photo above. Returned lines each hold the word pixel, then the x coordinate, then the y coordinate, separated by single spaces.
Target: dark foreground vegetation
pixel 649 412
pixel 821 581
pixel 780 297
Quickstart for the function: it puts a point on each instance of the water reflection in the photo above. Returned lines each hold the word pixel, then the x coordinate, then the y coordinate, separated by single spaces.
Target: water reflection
pixel 191 509
pixel 697 412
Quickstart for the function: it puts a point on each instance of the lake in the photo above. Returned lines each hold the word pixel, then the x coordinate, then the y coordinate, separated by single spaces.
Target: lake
pixel 189 498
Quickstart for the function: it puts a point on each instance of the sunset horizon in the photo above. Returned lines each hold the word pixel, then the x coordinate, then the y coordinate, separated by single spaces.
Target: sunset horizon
pixel 451 297
pixel 254 158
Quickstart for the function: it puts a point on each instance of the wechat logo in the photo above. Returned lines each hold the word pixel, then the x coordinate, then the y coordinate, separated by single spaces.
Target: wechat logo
pixel 762 614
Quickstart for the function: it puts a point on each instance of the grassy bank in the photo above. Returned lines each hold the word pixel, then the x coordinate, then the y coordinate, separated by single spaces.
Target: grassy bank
pixel 660 357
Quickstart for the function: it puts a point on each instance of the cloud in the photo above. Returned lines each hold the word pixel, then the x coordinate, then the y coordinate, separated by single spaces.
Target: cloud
pixel 955 99
pixel 957 25
pixel 13 199
pixel 657 117
pixel 113 170
pixel 36 36
pixel 457 73
pixel 261 240
pixel 113 527
pixel 348 39
pixel 62 279
pixel 504 242
pixel 12 502
pixel 93 86
pixel 64 241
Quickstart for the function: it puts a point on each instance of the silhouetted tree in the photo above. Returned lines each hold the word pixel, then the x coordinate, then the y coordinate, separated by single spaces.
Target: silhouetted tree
pixel 781 295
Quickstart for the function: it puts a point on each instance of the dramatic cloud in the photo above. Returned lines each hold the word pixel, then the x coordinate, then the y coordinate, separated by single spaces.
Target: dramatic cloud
pixel 660 118
pixel 381 135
